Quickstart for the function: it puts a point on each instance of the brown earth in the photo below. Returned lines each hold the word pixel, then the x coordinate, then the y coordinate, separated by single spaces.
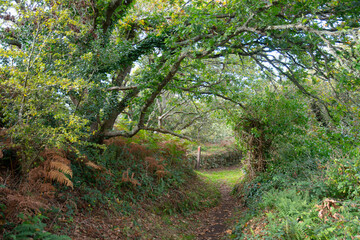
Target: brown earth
pixel 216 221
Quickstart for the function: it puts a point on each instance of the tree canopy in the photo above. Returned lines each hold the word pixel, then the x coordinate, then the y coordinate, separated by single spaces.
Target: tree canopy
pixel 71 69
pixel 83 82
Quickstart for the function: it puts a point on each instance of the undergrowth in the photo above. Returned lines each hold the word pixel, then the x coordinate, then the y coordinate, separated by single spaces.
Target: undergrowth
pixel 127 179
pixel 137 173
pixel 310 191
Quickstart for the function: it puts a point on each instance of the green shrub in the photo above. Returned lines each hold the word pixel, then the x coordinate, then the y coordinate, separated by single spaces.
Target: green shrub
pixel 344 177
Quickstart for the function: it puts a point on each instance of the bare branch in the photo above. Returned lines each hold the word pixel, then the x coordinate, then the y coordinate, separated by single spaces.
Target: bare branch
pixel 122 88
pixel 191 122
pixel 160 87
pixel 161 130
pixel 137 129
pixel 122 105
pixel 127 134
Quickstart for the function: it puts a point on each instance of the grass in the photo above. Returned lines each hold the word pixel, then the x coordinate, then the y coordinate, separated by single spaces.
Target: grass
pixel 230 176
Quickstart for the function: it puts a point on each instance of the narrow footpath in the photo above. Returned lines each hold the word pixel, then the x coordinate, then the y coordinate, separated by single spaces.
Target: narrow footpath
pixel 216 221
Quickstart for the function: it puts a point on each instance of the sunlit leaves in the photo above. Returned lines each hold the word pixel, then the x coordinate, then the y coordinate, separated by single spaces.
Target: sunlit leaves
pixel 71 54
pixel 36 76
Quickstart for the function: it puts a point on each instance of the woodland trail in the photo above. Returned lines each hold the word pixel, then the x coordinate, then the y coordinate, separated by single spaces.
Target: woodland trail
pixel 216 221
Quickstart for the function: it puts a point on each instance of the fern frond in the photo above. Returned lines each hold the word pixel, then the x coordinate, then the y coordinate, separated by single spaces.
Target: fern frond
pixel 152 163
pixel 94 165
pixel 55 166
pixel 57 158
pixel 56 155
pixel 132 180
pixel 61 167
pixel 60 178
pixel 118 141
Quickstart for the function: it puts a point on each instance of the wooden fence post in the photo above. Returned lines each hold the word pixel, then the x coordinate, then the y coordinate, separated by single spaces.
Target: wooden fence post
pixel 198 158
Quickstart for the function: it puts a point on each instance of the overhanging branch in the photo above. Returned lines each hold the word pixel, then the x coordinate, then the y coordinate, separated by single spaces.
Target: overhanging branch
pixel 165 131
pixel 121 88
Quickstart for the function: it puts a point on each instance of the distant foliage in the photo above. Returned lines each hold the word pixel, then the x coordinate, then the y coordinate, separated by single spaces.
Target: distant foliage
pixel 217 156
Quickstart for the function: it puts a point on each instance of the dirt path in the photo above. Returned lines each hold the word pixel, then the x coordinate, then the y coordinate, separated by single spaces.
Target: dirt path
pixel 216 221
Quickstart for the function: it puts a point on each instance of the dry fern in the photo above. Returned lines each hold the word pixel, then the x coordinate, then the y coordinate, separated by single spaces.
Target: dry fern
pixel 118 141
pixel 16 202
pixel 156 166
pixel 46 187
pixel 126 178
pixel 325 210
pixel 161 174
pixel 60 166
pixel 84 160
pixel 152 164
pixel 55 155
pixel 54 168
pixel 138 151
pixel 93 165
pixel 36 173
pixel 59 177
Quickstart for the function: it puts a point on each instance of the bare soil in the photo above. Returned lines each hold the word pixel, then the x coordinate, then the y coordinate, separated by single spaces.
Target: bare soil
pixel 216 221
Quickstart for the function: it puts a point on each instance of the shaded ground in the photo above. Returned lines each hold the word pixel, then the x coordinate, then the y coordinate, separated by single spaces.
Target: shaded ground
pixel 146 221
pixel 216 221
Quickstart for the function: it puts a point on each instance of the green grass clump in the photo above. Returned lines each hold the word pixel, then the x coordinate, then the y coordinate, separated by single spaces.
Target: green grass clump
pixel 229 176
